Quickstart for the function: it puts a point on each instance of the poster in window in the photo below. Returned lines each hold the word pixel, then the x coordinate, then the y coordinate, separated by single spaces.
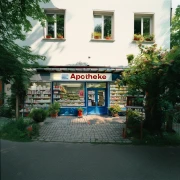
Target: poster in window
pixel 81 93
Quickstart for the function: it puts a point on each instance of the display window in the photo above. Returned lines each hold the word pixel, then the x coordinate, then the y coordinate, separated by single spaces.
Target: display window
pixel 38 96
pixel 118 94
pixel 69 94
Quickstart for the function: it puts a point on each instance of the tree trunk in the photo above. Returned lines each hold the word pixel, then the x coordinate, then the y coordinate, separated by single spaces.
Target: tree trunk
pixel 153 115
pixel 17 106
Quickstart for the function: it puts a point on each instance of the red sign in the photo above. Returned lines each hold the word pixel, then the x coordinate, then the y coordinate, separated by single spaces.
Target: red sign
pixel 87 76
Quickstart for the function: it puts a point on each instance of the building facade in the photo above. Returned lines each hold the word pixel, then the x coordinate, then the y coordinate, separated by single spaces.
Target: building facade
pixel 100 34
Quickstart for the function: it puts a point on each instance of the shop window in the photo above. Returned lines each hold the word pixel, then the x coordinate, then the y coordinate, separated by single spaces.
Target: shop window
pixel 103 25
pixel 69 94
pixel 55 24
pixel 143 25
pixel 118 94
pixel 38 96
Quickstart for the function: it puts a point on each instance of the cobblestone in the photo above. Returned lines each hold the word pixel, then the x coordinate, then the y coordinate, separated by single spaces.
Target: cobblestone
pixel 92 128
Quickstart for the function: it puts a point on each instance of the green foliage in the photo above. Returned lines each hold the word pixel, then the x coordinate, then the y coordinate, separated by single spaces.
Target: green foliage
pixel 130 57
pixel 114 108
pixel 97 29
pixel 134 121
pixel 145 37
pixel 54 108
pixel 17 130
pixel 155 72
pixel 38 115
pixel 134 117
pixel 80 109
pixel 14 23
pixel 175 28
pixel 148 37
pixel 6 111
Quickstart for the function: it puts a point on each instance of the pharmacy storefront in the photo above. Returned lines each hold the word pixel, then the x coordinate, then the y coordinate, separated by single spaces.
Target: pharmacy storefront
pixel 94 92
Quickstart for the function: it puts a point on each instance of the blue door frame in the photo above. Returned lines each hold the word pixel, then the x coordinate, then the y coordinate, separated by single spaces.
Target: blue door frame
pixel 93 101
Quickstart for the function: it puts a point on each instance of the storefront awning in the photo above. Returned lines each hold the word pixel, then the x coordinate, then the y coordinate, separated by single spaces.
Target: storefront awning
pixel 83 69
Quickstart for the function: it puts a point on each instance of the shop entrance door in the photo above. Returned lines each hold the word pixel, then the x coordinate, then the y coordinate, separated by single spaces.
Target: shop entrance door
pixel 96 101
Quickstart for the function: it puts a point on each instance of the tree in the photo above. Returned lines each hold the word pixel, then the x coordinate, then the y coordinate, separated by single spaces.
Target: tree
pixel 175 28
pixel 15 61
pixel 155 73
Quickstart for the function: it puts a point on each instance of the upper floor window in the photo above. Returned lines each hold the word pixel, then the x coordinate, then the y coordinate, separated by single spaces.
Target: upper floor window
pixel 143 27
pixel 103 25
pixel 55 24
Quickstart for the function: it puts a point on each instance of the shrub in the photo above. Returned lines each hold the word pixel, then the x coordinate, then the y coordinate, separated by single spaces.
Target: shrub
pixel 17 130
pixel 6 111
pixel 114 109
pixel 54 108
pixel 80 109
pixel 38 115
pixel 130 57
pixel 134 122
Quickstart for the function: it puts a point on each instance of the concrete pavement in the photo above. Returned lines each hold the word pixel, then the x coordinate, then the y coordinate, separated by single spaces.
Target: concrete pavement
pixel 85 161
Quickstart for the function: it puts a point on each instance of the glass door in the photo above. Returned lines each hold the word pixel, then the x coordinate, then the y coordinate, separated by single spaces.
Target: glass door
pixel 96 101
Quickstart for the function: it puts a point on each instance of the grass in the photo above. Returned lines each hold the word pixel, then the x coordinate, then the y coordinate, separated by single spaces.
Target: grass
pixel 16 130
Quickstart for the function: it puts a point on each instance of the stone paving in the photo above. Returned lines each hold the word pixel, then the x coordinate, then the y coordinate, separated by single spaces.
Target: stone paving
pixel 90 128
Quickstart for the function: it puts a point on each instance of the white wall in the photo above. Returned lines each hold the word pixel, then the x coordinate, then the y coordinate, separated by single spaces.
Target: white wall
pixel 79 26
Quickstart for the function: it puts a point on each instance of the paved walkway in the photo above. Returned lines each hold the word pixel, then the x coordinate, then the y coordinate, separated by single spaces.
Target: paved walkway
pixel 90 128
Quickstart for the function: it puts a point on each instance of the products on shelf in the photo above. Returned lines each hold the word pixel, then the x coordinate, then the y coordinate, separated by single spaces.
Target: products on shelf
pixel 38 96
pixel 118 95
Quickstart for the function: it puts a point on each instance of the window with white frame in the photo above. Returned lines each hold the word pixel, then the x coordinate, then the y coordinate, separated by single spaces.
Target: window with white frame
pixel 143 25
pixel 103 25
pixel 55 24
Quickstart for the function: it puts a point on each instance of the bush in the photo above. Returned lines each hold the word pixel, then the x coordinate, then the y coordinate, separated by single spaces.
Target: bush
pixel 130 57
pixel 114 108
pixel 134 121
pixel 6 111
pixel 54 108
pixel 38 115
pixel 17 130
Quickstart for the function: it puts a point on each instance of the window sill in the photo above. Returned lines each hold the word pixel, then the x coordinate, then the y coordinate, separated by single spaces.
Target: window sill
pixel 102 40
pixel 144 42
pixel 54 39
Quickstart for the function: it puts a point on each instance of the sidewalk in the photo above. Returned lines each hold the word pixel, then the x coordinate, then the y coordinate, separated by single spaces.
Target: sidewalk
pixel 90 128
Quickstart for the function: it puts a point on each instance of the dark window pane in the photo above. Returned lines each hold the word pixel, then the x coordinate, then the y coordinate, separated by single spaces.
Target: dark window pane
pixel 146 26
pixel 107 26
pixel 60 24
pixel 137 26
pixel 50 25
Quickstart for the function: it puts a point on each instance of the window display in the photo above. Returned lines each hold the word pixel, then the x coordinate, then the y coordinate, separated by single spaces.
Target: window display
pixel 38 95
pixel 69 94
pixel 118 94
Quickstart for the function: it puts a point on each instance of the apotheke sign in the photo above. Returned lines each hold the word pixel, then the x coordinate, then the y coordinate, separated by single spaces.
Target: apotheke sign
pixel 81 76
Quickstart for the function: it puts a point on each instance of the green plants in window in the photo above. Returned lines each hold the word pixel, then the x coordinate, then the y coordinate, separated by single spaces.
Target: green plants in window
pixel 97 35
pixel 54 109
pixel 60 36
pixel 48 36
pixel 149 37
pixel 108 36
pixel 138 37
pixel 38 114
